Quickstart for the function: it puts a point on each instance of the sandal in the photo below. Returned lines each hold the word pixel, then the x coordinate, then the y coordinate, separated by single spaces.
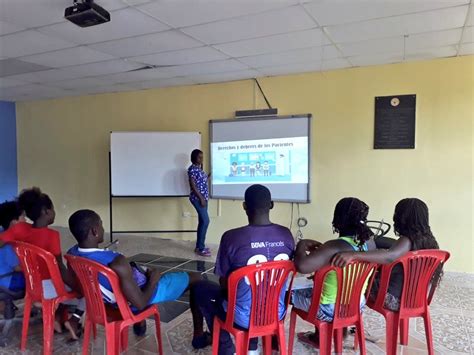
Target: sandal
pixel 75 330
pixel 308 338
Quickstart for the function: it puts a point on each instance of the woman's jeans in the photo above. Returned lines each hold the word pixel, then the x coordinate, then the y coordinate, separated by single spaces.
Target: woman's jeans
pixel 203 217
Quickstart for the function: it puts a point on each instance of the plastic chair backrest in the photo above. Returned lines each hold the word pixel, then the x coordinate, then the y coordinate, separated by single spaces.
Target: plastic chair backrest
pixel 418 270
pixel 87 272
pixel 30 257
pixel 350 287
pixel 266 282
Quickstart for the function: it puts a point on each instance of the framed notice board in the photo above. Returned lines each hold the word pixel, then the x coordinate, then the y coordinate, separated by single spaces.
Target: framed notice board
pixel 395 122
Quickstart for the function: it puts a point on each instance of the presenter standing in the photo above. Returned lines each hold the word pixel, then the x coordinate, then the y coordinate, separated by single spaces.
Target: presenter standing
pixel 199 197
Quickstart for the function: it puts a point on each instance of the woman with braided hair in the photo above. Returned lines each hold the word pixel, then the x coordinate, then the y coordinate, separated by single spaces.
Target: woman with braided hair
pixel 411 224
pixel 349 222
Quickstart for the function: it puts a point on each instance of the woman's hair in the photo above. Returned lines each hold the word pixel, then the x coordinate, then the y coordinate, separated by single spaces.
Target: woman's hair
pixel 33 202
pixel 411 220
pixel 350 216
pixel 194 155
pixel 9 211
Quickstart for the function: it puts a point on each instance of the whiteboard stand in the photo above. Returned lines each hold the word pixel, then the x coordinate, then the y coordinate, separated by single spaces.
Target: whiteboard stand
pixel 111 199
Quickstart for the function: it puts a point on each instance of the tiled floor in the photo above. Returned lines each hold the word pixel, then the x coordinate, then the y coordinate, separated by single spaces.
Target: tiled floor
pixel 452 312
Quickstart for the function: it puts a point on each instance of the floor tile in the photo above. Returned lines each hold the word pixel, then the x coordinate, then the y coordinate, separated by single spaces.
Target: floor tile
pixel 169 261
pixel 197 265
pixel 144 258
pixel 184 297
pixel 171 310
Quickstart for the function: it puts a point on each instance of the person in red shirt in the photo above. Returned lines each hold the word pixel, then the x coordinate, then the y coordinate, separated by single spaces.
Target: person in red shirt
pixel 40 209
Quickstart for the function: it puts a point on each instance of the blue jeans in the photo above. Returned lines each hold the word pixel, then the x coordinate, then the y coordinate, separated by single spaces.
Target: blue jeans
pixel 203 217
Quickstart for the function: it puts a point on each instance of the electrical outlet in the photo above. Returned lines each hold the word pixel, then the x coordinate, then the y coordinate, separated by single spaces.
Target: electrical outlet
pixel 186 214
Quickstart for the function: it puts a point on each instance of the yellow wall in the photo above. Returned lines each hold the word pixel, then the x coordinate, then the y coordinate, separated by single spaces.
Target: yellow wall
pixel 63 147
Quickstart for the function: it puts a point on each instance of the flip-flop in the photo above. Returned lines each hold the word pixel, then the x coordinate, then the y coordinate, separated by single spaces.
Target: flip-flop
pixel 308 338
pixel 78 332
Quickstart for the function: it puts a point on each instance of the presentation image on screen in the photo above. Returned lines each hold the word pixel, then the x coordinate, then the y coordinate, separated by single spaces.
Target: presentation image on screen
pixel 269 151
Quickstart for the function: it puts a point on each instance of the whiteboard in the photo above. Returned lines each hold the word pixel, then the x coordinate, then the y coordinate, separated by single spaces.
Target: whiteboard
pixel 151 163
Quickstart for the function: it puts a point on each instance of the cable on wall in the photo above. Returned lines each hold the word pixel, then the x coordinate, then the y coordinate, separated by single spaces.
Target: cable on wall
pixel 263 94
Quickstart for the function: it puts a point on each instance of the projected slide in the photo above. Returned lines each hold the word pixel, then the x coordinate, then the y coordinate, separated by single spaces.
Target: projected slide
pixel 272 151
pixel 264 161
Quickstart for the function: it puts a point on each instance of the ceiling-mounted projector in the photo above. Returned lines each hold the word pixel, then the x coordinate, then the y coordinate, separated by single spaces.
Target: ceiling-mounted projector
pixel 86 13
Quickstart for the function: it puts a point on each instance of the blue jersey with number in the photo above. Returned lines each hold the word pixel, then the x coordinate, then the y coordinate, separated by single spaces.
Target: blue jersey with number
pixel 250 245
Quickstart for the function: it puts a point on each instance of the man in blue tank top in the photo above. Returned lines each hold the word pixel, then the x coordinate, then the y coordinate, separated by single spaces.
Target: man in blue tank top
pixel 140 290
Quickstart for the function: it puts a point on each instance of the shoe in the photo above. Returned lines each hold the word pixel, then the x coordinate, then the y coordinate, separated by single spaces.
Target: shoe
pixel 139 329
pixel 202 341
pixel 204 252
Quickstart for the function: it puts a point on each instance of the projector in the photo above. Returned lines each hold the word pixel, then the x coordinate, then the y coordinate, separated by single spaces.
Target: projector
pixel 86 14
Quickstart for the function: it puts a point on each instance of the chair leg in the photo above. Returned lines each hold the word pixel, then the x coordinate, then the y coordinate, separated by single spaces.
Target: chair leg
pixel 325 339
pixel 392 320
pixel 361 337
pixel 291 333
pixel 338 341
pixel 158 333
pixel 267 345
pixel 48 326
pixel 281 338
pixel 356 340
pixel 216 331
pixel 87 338
pixel 404 327
pixel 428 332
pixel 26 323
pixel 124 339
pixel 112 338
pixel 241 343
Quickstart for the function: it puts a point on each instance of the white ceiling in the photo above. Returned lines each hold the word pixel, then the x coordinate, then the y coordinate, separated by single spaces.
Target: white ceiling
pixel 204 41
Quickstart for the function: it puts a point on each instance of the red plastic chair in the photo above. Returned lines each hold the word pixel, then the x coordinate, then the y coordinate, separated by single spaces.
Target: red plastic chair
pixel 30 257
pixel 266 281
pixel 115 322
pixel 351 281
pixel 418 269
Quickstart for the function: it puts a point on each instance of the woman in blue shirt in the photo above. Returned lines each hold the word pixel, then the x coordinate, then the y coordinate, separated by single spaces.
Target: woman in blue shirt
pixel 199 197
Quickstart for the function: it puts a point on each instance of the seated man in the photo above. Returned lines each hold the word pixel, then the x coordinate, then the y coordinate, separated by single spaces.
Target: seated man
pixel 140 290
pixel 11 277
pixel 257 242
pixel 349 220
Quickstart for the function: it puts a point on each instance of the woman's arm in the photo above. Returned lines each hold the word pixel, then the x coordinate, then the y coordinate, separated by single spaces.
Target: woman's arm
pixel 311 255
pixel 399 248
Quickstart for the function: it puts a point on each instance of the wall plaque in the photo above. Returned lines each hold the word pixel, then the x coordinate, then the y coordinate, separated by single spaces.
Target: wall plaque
pixel 395 122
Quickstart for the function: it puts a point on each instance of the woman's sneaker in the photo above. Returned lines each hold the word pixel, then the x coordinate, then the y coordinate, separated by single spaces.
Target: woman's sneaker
pixel 204 252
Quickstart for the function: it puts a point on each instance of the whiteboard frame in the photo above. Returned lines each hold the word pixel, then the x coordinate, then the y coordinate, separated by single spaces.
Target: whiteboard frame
pixel 112 197
pixel 257 118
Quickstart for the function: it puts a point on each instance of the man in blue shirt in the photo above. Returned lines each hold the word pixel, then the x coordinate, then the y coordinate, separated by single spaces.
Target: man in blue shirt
pixel 258 242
